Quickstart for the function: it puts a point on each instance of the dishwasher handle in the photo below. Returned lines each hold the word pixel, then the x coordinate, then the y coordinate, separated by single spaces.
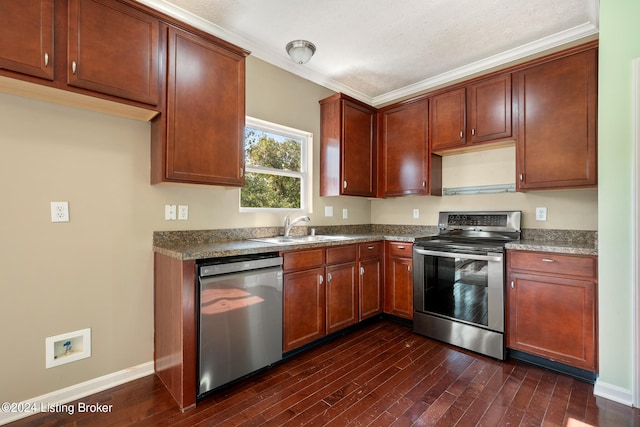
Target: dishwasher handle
pixel 238 266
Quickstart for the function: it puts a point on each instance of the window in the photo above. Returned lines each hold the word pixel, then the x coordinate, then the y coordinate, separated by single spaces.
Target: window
pixel 277 168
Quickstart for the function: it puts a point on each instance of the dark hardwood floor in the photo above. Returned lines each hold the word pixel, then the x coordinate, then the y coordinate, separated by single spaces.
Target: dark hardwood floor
pixel 381 375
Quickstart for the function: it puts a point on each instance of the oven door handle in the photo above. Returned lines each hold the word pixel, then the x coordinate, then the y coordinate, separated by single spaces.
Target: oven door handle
pixel 497 258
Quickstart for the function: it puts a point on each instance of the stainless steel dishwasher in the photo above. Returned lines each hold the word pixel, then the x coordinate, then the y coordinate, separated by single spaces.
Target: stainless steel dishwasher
pixel 240 317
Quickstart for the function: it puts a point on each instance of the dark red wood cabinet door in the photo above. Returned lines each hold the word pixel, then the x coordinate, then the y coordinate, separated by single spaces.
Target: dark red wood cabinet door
pixel 489 110
pixel 342 296
pixel 447 120
pixel 358 150
pixel 303 308
pixel 371 290
pixel 404 164
pixel 113 49
pixel 557 103
pixel 26 37
pixel 205 111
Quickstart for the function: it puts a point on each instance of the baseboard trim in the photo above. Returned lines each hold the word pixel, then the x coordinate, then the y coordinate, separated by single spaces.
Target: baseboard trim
pixel 612 392
pixel 76 392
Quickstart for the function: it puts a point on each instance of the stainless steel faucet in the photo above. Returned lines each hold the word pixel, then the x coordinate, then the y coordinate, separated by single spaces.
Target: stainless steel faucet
pixel 288 223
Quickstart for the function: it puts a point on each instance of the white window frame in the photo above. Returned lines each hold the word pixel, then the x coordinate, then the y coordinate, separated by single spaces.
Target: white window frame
pixel 306 161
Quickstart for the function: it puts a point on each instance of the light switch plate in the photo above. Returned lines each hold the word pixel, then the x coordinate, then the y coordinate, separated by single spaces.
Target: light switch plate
pixel 328 211
pixel 416 213
pixel 345 213
pixel 169 212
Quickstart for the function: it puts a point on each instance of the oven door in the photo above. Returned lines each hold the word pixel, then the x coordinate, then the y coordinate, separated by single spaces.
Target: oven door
pixel 466 288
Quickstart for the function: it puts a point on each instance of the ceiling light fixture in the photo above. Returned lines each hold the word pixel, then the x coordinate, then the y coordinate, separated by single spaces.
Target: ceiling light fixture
pixel 301 51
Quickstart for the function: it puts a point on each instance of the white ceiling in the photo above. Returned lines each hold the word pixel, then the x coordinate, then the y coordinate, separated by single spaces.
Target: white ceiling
pixel 381 50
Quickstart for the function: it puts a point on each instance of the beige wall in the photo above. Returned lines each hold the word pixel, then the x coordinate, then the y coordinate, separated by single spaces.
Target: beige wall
pixel 96 271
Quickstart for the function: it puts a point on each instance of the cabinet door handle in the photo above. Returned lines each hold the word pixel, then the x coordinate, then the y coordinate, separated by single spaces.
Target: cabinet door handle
pixel 362 271
pixel 401 247
pixel 512 284
pixel 548 260
pixel 409 268
pixel 241 171
pixel 521 177
pixel 46 59
pixel 74 67
pixel 370 248
pixel 473 131
pixel 344 184
pixel 461 134
pixel 424 184
pixel 321 279
pixel 329 277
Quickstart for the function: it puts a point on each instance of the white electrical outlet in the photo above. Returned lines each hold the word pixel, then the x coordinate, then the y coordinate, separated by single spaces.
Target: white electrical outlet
pixel 345 213
pixel 416 213
pixel 183 212
pixel 59 211
pixel 541 214
pixel 170 212
pixel 328 211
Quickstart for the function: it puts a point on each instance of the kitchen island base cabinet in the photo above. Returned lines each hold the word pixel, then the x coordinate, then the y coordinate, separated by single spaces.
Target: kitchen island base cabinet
pixel 551 307
pixel 398 290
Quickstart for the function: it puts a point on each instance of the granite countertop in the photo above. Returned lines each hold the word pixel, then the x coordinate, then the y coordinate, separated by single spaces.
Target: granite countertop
pixel 201 244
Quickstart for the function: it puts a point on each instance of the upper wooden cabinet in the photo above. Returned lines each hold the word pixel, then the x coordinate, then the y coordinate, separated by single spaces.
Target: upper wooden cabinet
pixel 200 137
pixel 348 159
pixel 26 37
pixel 557 103
pixel 477 113
pixel 406 166
pixel 113 49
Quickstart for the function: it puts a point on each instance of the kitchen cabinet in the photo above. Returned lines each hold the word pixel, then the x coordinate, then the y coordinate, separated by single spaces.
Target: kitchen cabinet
pixel 113 49
pixel 371 276
pixel 557 104
pixel 551 307
pixel 478 113
pixel 341 288
pixel 398 290
pixel 406 165
pixel 199 138
pixel 348 147
pixel 26 31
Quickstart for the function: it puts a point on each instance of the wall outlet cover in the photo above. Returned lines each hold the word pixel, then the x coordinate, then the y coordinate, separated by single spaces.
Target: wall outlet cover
pixel 541 214
pixel 59 211
pixel 183 212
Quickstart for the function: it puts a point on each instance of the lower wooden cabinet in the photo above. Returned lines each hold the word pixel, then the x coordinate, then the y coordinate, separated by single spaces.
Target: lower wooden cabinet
pixel 371 278
pixel 398 289
pixel 551 307
pixel 320 293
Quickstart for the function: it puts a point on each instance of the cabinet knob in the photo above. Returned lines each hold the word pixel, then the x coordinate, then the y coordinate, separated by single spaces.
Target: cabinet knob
pixel 74 67
pixel 46 59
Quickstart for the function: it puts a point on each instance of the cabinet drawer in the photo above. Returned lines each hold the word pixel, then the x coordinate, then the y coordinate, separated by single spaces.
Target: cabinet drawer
pixel 343 253
pixel 370 250
pixel 401 249
pixel 552 263
pixel 297 260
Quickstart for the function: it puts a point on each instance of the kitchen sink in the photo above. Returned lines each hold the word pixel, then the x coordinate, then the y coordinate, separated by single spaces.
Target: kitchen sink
pixel 291 240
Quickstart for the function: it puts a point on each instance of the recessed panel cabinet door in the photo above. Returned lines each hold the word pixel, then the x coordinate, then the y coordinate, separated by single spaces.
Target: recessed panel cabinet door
pixel 358 151
pixel 447 120
pixel 26 37
pixel 113 49
pixel 304 308
pixel 205 112
pixel 404 161
pixel 557 103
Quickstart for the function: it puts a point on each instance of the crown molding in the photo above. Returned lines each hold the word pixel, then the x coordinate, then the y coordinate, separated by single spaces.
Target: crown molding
pixel 584 32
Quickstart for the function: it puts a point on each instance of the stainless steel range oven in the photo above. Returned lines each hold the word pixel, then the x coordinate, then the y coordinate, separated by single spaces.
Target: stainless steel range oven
pixel 459 284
